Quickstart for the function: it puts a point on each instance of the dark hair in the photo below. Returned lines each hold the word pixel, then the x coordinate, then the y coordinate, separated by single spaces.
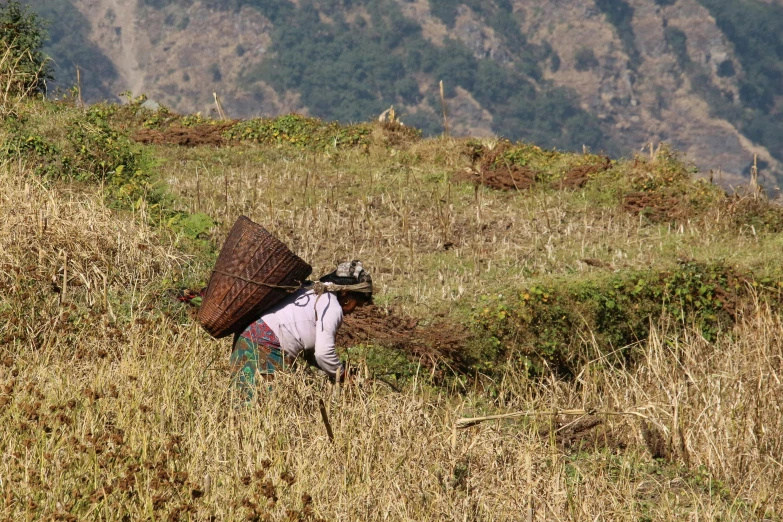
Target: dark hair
pixel 362 298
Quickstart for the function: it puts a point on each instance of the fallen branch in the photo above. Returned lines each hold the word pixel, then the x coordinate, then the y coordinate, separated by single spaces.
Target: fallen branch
pixel 467 422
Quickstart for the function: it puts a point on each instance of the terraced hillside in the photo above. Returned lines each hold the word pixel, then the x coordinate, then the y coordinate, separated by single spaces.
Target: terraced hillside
pixel 625 313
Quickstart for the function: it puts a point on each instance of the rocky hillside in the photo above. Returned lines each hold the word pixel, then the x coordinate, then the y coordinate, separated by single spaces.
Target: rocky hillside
pixel 613 75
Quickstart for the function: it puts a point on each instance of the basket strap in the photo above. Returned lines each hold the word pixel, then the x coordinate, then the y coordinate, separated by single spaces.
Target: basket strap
pixel 259 283
pixel 317 286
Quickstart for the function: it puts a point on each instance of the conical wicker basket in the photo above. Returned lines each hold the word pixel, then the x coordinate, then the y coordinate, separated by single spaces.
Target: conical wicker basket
pixel 252 265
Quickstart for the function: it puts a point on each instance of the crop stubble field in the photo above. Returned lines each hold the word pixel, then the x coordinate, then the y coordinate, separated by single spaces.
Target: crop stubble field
pixel 116 405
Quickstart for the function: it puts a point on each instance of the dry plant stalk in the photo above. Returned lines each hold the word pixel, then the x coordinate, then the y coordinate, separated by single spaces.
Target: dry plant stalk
pixel 79 86
pixel 755 188
pixel 443 108
pixel 15 85
pixel 467 422
pixel 219 106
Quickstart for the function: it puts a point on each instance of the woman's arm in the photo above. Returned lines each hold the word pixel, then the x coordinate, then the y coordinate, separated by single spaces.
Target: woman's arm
pixel 329 319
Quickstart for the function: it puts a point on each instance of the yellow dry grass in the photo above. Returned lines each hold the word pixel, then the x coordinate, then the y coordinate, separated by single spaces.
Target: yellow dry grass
pixel 115 406
pixel 431 242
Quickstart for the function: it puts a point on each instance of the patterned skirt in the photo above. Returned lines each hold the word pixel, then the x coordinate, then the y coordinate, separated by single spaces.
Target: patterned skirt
pixel 256 350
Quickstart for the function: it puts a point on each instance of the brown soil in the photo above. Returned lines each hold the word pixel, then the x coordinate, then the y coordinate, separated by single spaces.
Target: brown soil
pixel 394 134
pixel 439 342
pixel 655 206
pixel 578 176
pixel 586 434
pixel 656 441
pixel 184 136
pixel 492 171
pixel 503 176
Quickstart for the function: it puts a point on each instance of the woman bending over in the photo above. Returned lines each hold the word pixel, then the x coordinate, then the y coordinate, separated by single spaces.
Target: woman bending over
pixel 302 325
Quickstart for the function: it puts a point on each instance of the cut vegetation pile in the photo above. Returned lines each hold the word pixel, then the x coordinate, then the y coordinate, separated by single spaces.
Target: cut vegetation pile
pixel 630 311
pixel 182 136
pixel 431 346
pixel 504 166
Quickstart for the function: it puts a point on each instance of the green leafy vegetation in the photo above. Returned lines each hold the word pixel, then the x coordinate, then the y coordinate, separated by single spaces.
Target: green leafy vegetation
pixel 300 131
pixel 585 59
pixel 677 41
pixel 86 147
pixel 543 326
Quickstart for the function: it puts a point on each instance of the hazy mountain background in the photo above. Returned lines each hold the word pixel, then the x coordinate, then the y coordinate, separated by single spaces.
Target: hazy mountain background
pixel 613 75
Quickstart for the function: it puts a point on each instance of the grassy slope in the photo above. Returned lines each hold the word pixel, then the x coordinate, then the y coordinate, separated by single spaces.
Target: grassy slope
pixel 113 402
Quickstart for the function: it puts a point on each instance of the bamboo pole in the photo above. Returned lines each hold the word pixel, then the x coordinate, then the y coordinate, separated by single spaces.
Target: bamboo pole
pixel 79 86
pixel 443 107
pixel 221 113
pixel 754 176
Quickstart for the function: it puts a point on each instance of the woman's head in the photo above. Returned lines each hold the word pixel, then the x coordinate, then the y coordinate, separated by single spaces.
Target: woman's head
pixel 353 275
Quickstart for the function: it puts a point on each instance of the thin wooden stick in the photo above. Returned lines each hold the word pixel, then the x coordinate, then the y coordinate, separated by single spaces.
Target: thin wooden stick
pixel 754 176
pixel 207 485
pixel 529 465
pixel 79 86
pixel 198 191
pixel 65 278
pixel 325 418
pixel 467 422
pixel 225 190
pixel 219 106
pixel 443 107
pixel 336 387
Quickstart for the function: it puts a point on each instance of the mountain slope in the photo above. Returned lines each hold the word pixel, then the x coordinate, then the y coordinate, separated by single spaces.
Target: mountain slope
pixel 613 75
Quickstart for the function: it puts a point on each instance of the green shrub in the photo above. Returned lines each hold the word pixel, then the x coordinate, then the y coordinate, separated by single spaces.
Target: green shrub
pixel 300 131
pixel 677 40
pixel 90 149
pixel 553 325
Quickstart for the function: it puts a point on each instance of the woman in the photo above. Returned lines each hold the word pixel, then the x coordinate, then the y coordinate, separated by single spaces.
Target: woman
pixel 304 324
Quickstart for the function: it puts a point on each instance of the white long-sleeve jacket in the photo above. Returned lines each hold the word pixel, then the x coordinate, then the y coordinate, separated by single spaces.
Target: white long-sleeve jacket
pixel 305 321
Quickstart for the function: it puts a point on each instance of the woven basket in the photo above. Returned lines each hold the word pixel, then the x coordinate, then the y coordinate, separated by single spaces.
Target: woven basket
pixel 251 264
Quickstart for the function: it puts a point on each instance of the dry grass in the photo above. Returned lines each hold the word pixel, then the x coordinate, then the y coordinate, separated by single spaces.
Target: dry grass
pixel 114 405
pixel 16 86
pixel 433 243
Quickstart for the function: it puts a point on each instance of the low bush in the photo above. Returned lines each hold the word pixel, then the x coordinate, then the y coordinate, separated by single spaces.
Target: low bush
pixel 300 131
pixel 556 325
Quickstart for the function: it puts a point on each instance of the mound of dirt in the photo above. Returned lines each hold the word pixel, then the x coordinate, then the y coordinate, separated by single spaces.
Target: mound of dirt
pixel 431 344
pixel 578 176
pixel 504 178
pixel 492 169
pixel 494 172
pixel 184 136
pixel 655 206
